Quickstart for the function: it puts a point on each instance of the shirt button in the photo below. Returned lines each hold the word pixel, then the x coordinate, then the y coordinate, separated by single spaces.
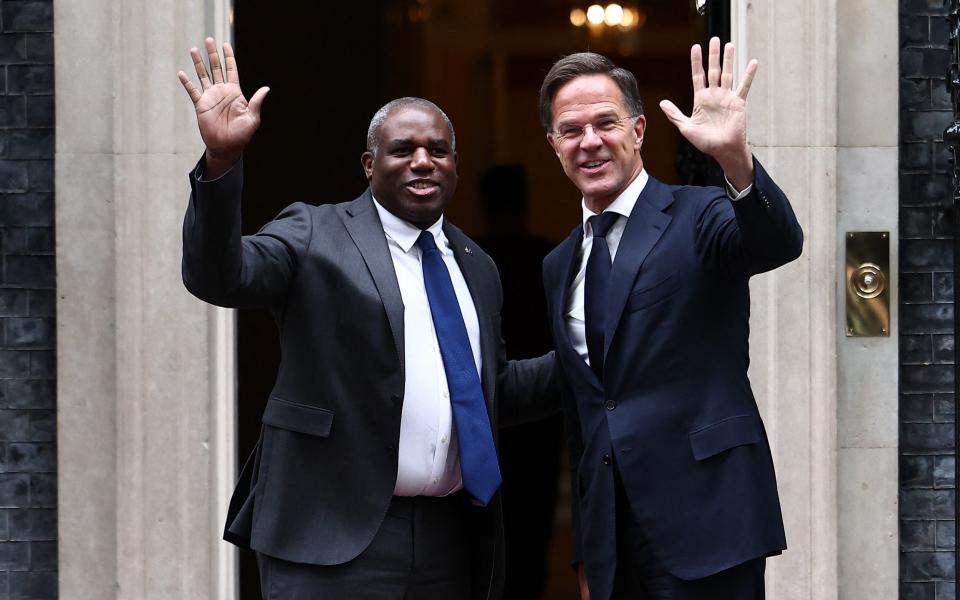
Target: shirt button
pixel 443 439
pixel 606 459
pixel 610 405
pixel 436 480
pixel 446 394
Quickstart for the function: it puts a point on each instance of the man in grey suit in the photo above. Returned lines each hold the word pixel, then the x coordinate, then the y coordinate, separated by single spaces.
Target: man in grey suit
pixel 375 475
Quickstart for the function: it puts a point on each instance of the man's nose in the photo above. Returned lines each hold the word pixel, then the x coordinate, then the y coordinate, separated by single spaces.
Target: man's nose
pixel 421 160
pixel 590 139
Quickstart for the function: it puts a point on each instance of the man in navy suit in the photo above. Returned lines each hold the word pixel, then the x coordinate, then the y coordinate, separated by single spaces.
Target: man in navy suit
pixel 675 495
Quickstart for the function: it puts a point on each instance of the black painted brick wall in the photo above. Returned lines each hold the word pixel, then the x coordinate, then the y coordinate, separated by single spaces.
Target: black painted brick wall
pixel 927 486
pixel 28 482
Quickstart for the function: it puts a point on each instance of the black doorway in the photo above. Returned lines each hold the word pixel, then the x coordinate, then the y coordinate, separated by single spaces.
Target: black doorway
pixel 331 65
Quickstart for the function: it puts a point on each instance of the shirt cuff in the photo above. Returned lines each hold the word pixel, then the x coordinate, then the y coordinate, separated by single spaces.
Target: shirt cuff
pixel 732 192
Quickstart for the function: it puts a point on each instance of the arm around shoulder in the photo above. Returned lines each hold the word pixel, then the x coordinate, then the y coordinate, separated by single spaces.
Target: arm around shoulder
pixel 528 390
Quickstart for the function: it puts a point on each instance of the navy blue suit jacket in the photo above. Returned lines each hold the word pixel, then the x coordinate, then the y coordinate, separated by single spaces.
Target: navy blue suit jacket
pixel 675 414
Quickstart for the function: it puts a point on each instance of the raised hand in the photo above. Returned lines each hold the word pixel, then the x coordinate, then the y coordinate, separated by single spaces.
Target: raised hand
pixel 718 124
pixel 226 120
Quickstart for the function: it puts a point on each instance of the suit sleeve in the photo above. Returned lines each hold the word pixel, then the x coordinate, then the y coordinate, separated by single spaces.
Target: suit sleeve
pixel 527 389
pixel 755 234
pixel 224 268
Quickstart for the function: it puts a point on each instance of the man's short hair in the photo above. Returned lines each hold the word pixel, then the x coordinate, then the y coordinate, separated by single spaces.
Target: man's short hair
pixel 570 67
pixel 379 117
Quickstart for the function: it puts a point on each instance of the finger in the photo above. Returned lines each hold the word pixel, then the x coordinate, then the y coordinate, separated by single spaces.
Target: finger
pixel 713 73
pixel 726 77
pixel 256 101
pixel 747 80
pixel 696 68
pixel 188 85
pixel 233 76
pixel 674 114
pixel 214 57
pixel 201 69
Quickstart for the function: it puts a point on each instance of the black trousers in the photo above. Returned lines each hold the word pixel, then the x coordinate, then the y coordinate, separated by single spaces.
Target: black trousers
pixel 421 552
pixel 640 576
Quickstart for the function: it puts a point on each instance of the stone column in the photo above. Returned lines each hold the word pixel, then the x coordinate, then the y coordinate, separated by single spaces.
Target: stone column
pixel 823 118
pixel 145 393
pixel 867 200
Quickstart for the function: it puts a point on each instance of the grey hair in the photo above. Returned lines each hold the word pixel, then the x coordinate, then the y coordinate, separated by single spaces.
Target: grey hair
pixel 379 117
pixel 570 67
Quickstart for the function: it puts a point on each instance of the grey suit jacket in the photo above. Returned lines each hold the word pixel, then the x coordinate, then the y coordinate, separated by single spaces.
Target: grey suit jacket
pixel 318 484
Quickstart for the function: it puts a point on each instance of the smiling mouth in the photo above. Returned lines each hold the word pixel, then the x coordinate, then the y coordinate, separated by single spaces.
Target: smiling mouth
pixel 422 186
pixel 593 164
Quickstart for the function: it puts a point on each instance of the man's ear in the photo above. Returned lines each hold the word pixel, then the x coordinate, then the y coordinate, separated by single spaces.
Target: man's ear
pixel 366 160
pixel 640 127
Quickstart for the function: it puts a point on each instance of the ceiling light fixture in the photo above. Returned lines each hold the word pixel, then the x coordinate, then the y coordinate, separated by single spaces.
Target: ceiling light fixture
pixel 613 16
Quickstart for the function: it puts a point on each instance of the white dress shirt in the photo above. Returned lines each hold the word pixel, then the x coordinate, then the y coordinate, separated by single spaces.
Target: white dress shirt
pixel 623 205
pixel 428 454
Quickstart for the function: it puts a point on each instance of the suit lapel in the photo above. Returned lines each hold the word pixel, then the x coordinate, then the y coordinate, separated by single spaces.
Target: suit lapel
pixel 565 266
pixel 646 224
pixel 465 251
pixel 362 222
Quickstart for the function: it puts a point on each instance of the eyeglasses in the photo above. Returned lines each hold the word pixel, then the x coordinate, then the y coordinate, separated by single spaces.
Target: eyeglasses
pixel 569 132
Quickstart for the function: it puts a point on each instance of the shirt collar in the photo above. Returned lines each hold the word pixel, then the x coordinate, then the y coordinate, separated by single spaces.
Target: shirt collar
pixel 624 203
pixel 405 234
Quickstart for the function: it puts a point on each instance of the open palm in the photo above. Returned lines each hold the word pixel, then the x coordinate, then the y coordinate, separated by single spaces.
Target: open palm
pixel 717 126
pixel 227 121
pixel 718 121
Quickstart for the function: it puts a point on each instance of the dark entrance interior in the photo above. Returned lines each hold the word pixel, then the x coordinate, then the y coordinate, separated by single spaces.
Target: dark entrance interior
pixel 331 65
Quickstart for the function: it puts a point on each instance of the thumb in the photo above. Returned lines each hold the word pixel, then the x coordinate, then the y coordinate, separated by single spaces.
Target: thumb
pixel 256 101
pixel 673 113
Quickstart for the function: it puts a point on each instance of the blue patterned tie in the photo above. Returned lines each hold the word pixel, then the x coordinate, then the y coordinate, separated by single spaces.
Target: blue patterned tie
pixel 597 278
pixel 478 457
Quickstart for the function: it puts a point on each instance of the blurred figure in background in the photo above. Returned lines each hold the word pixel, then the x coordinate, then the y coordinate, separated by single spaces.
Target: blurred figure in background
pixel 529 453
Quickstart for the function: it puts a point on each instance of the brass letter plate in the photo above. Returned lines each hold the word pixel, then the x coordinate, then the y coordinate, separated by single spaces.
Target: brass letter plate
pixel 868 284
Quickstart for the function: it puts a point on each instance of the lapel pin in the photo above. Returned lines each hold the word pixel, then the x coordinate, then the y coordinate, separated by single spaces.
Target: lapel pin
pixel 467 250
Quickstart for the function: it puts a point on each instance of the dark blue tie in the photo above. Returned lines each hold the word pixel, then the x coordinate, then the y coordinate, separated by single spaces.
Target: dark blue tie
pixel 595 288
pixel 478 457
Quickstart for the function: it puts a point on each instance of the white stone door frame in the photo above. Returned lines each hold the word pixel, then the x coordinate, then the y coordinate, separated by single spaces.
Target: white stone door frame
pixel 824 119
pixel 146 373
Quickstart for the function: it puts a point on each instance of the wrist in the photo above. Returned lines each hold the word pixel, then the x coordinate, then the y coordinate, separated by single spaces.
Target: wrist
pixel 738 169
pixel 218 164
